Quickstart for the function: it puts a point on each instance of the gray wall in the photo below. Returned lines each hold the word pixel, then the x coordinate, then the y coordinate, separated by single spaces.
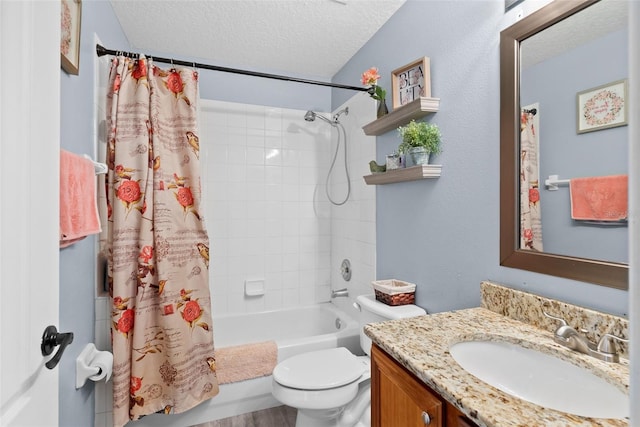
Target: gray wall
pixel 443 234
pixel 77 262
pixel 568 154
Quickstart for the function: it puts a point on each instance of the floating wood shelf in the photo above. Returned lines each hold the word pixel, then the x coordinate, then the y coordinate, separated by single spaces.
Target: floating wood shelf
pixel 413 173
pixel 402 115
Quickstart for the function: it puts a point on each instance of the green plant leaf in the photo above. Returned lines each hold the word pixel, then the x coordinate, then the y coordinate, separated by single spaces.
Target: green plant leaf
pixel 420 134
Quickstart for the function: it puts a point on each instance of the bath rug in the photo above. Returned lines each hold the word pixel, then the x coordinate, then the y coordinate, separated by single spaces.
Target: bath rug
pixel 243 362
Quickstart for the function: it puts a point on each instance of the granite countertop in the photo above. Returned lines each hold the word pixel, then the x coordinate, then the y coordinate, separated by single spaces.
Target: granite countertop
pixel 421 344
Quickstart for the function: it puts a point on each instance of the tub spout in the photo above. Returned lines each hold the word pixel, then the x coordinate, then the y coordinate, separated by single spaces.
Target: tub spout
pixel 340 293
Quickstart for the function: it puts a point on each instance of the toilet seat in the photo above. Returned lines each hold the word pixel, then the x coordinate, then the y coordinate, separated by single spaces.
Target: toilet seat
pixel 332 387
pixel 330 400
pixel 319 370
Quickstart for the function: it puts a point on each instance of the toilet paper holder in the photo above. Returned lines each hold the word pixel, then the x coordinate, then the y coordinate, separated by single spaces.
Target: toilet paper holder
pixel 93 364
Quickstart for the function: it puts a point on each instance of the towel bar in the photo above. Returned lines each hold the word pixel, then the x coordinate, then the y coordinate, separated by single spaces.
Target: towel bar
pixel 100 168
pixel 552 183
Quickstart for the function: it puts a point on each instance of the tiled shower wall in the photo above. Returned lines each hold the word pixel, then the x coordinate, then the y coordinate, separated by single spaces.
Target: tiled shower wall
pixel 268 216
pixel 266 213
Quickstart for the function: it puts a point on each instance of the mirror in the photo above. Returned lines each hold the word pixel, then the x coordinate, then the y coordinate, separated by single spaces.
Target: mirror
pixel 578 266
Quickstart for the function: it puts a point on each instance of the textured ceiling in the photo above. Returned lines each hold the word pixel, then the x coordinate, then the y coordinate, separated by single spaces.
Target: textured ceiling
pixel 591 23
pixel 297 37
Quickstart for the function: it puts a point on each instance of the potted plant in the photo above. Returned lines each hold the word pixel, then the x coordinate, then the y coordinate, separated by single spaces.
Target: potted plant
pixel 419 141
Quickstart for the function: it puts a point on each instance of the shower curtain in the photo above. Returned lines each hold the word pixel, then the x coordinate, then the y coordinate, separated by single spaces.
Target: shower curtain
pixel 157 245
pixel 530 215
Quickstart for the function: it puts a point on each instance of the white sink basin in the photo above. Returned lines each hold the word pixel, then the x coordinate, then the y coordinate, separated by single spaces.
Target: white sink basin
pixel 541 379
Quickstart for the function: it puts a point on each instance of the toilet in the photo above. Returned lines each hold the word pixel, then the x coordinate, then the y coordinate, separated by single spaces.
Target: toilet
pixel 332 387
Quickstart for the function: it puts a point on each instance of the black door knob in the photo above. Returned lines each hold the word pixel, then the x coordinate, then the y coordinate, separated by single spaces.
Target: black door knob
pixel 51 338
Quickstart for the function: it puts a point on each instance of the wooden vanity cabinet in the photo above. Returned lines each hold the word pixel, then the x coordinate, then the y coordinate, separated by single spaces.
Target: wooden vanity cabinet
pixel 399 399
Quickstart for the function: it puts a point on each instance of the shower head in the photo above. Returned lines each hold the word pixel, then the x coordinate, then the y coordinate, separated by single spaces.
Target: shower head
pixel 310 116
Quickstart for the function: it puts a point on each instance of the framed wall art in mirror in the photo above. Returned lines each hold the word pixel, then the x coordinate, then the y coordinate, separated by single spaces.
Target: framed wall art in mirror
pixel 581 267
pixel 602 107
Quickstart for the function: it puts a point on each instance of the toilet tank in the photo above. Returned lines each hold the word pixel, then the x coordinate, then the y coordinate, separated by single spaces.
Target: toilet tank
pixel 373 311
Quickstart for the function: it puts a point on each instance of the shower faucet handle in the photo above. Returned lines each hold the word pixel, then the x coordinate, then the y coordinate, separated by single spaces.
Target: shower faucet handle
pixel 345 269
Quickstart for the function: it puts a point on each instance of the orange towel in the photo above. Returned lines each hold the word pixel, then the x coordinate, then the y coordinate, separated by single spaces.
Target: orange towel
pixel 78 207
pixel 601 198
pixel 247 361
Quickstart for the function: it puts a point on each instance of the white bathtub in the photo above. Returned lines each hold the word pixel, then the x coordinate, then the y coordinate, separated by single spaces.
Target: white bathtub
pixel 296 331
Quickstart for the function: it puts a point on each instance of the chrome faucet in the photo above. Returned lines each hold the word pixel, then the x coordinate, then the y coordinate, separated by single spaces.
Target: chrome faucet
pixel 567 336
pixel 340 293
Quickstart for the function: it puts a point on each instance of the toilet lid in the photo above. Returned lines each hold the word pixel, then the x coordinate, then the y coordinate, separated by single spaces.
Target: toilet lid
pixel 319 370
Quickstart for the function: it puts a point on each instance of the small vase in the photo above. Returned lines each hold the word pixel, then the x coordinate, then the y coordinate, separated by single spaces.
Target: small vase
pixel 382 108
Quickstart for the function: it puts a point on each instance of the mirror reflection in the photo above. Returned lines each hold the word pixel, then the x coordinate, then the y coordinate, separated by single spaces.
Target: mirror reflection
pixel 517 246
pixel 573 79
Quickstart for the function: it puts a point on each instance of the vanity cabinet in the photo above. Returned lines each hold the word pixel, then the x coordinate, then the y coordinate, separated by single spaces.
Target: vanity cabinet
pixel 399 399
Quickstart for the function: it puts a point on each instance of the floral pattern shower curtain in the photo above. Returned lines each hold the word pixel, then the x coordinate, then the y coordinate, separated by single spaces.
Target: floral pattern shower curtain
pixel 157 245
pixel 530 215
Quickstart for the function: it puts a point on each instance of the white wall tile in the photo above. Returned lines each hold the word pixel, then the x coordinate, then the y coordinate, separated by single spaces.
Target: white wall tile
pixel 273 119
pixel 273 263
pixel 273 175
pixel 219 306
pixel 273 192
pixel 273 300
pixel 307 296
pixel 235 303
pixel 290 244
pixel 273 280
pixel 255 173
pixel 290 298
pixel 291 278
pixel 269 215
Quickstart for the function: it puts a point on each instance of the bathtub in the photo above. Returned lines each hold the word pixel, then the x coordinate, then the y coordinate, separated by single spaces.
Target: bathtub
pixel 296 330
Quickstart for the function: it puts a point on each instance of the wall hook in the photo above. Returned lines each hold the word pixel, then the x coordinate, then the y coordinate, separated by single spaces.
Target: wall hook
pixel 51 338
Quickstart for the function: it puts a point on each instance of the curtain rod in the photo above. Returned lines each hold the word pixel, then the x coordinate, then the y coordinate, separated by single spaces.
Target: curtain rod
pixel 101 51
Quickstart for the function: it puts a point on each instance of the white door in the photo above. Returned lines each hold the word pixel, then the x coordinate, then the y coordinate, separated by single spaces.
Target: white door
pixel 29 181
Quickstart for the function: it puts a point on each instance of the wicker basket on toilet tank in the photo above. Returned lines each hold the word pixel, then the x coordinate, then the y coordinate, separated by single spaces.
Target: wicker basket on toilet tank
pixel 394 292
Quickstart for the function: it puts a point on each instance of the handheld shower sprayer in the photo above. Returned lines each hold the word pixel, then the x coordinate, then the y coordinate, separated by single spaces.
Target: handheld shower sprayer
pixel 310 116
